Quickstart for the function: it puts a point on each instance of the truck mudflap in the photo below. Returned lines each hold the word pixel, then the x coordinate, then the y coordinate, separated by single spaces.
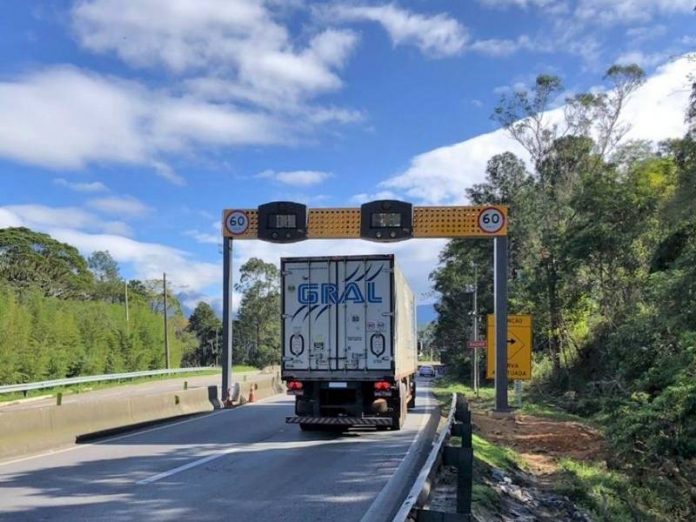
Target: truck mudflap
pixel 341 421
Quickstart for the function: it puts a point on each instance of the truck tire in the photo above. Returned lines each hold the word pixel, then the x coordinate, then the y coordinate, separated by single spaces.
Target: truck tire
pixel 412 401
pixel 400 416
pixel 308 427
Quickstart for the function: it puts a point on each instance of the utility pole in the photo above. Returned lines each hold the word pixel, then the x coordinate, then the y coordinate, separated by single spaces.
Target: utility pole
pixel 125 286
pixel 166 335
pixel 475 313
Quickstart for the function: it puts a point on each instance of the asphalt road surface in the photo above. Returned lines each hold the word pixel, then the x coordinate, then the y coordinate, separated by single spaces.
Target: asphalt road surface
pixel 243 464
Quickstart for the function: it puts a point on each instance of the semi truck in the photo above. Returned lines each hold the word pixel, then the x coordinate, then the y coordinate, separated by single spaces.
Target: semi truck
pixel 349 353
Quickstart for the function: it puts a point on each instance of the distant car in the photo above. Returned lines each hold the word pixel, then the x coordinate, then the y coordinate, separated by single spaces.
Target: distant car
pixel 426 371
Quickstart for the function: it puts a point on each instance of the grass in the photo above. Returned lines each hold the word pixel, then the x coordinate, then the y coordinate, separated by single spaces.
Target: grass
pixel 616 496
pixel 444 387
pixel 91 386
pixel 495 456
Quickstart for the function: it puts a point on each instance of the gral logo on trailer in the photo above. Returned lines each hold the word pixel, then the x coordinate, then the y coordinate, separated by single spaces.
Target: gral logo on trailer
pixel 328 294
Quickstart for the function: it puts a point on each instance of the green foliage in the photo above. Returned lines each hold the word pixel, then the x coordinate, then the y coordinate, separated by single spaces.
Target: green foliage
pixel 33 260
pixel 257 327
pixel 108 285
pixel 614 495
pixel 49 338
pixel 494 455
pixel 603 254
pixel 207 328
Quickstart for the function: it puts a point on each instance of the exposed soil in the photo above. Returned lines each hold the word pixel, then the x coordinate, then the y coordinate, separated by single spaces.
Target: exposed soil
pixel 524 495
pixel 542 442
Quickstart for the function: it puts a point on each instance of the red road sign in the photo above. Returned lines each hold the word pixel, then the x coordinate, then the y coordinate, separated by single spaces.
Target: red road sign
pixel 477 344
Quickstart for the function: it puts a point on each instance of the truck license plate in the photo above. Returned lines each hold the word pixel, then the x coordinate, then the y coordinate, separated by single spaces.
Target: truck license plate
pixel 338 385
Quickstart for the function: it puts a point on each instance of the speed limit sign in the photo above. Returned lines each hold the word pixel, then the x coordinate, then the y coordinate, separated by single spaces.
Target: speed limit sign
pixel 237 222
pixel 491 220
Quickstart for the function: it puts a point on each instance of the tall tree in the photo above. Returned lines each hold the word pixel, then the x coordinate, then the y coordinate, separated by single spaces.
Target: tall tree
pixel 208 330
pixel 257 329
pixel 108 283
pixel 32 259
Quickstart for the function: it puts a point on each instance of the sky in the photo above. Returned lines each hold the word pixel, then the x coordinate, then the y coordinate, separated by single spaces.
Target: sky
pixel 129 125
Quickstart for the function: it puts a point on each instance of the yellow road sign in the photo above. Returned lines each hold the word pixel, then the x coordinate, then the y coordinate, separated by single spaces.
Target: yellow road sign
pixel 344 223
pixel 519 345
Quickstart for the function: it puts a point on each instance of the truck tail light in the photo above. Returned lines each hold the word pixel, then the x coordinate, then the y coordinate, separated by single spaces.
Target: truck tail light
pixel 294 385
pixel 382 385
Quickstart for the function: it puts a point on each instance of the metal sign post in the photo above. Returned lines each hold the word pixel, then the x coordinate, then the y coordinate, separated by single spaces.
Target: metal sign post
pixel 227 318
pixel 500 247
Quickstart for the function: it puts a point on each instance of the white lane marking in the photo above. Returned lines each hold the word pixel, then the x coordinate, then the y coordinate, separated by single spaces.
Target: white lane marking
pixel 133 434
pixel 200 462
pixel 248 447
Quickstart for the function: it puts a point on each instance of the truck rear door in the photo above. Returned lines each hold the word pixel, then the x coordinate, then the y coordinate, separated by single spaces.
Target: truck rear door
pixel 309 327
pixel 364 315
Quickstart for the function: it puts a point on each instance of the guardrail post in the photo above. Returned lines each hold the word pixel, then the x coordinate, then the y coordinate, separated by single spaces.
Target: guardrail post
pixel 466 461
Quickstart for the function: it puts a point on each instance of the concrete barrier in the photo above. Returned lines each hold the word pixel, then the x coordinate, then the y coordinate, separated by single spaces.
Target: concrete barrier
pixel 264 386
pixel 36 429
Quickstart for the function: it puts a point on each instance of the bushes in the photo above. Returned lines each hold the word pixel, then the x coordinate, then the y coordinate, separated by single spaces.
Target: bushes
pixel 49 338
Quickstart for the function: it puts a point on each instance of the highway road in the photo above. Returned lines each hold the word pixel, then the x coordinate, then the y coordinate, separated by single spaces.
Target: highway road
pixel 243 464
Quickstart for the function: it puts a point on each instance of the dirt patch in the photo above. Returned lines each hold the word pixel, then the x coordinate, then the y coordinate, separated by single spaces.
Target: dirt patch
pixel 542 442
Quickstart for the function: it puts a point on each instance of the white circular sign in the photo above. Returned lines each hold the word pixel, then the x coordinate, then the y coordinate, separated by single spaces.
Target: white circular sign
pixel 237 222
pixel 491 220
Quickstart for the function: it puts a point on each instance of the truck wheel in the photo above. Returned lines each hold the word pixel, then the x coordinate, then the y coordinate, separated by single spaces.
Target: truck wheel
pixel 400 417
pixel 412 402
pixel 307 427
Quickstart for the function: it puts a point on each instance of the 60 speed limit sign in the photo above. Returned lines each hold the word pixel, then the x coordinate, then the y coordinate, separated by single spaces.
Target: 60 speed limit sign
pixel 491 220
pixel 237 222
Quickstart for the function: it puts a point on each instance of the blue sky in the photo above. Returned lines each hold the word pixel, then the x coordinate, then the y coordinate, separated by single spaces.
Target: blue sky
pixel 128 125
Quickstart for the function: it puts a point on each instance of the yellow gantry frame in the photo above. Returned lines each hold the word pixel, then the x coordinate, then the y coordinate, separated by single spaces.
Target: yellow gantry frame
pixel 344 223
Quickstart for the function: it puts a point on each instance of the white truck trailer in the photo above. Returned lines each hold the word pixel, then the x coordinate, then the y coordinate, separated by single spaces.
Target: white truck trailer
pixel 349 341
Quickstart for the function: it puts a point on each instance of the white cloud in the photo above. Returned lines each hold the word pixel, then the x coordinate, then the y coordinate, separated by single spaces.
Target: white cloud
pixel 364 197
pixel 610 12
pixel 41 217
pixel 204 237
pixel 296 178
pixel 94 186
pixel 125 206
pixel 237 47
pixel 517 3
pixel 148 260
pixel 644 60
pixel 437 35
pixel 9 219
pixel 440 176
pixel 506 47
pixel 65 118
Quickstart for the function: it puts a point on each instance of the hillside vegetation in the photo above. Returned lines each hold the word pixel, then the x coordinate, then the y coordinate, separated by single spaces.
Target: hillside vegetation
pixel 62 315
pixel 603 254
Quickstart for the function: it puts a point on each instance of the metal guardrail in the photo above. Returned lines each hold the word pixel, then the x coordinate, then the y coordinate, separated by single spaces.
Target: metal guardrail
pixel 462 458
pixel 9 388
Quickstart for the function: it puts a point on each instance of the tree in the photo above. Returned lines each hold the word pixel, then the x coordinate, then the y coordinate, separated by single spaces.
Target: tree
pixel 564 151
pixel 257 328
pixel 208 330
pixel 108 282
pixel 31 259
